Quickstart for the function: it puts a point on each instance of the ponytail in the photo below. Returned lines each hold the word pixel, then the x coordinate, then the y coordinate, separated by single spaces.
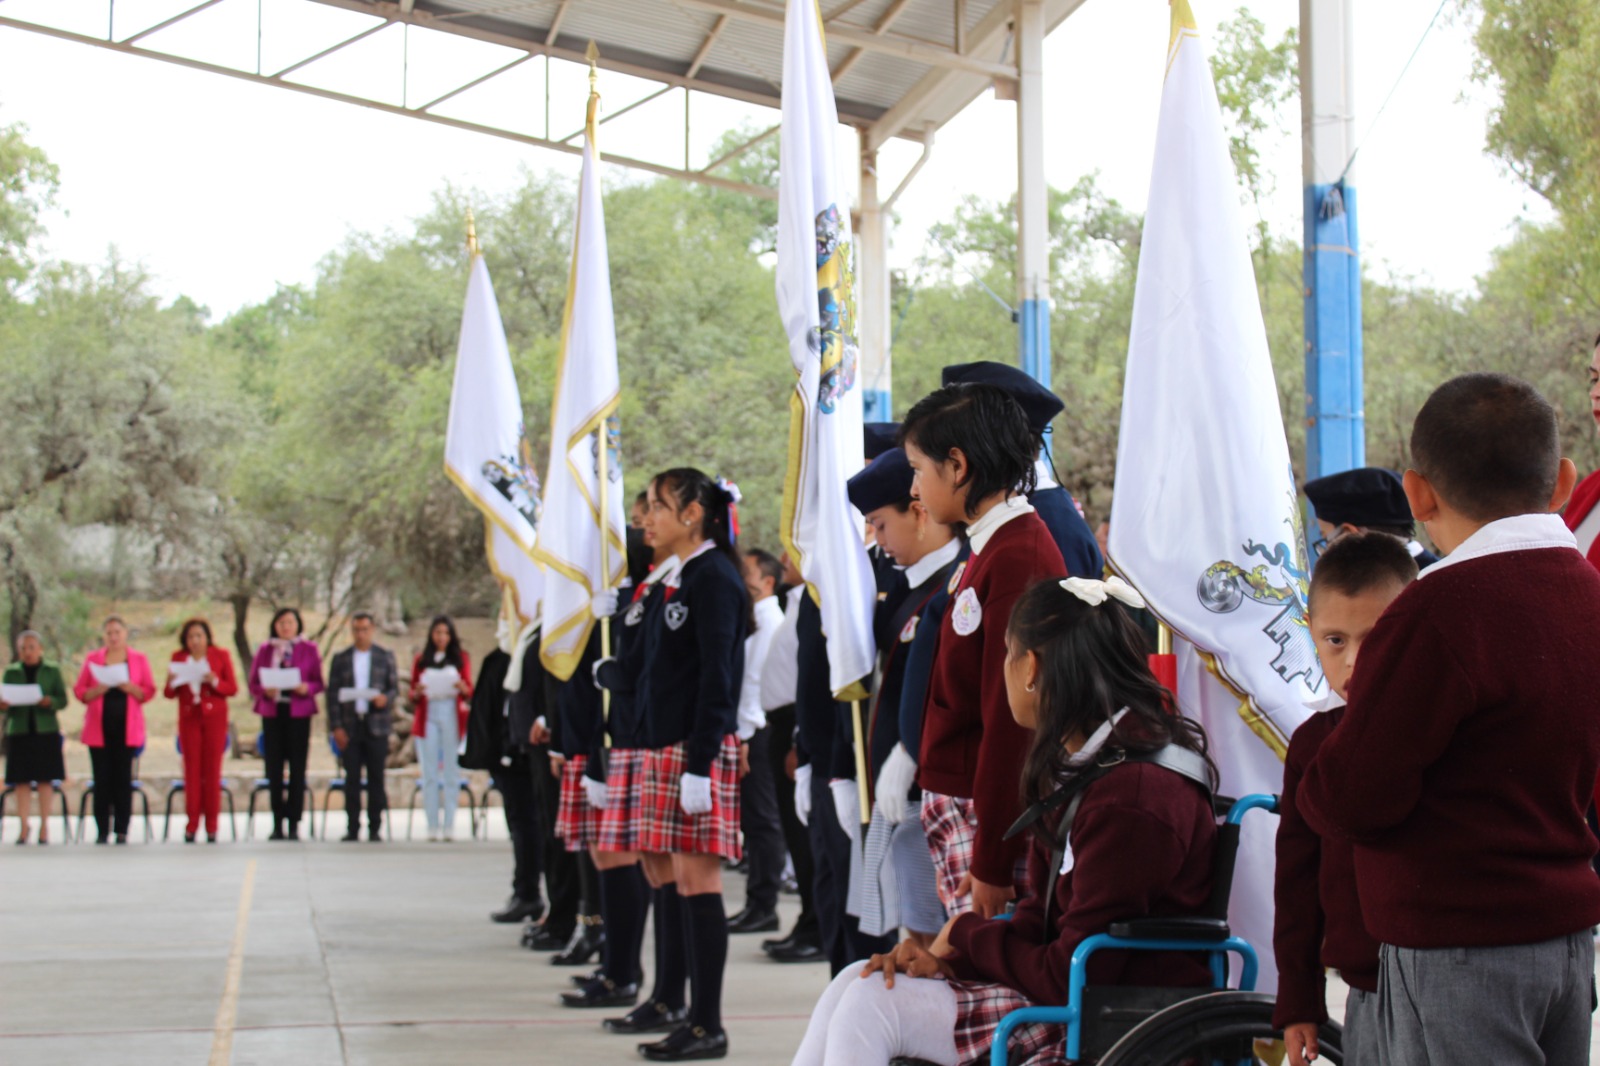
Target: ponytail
pixel 719 503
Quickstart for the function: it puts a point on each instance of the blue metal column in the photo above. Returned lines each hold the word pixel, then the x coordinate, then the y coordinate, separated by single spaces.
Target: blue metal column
pixel 1033 196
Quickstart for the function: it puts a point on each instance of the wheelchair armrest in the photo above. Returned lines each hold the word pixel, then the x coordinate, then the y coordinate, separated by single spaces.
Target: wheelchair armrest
pixel 1196 929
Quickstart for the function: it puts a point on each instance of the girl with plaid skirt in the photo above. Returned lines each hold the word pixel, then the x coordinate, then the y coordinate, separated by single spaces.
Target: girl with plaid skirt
pixel 690 665
pixel 1140 845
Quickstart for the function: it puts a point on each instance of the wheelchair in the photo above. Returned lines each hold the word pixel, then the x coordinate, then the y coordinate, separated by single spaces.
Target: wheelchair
pixel 1117 1025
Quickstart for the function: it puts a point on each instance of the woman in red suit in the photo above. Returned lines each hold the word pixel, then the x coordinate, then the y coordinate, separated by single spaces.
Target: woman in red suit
pixel 202 724
pixel 1582 516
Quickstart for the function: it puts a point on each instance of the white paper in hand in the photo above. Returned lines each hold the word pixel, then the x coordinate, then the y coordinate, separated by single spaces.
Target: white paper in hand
pixel 109 675
pixel 440 683
pixel 21 695
pixel 361 697
pixel 282 678
pixel 191 672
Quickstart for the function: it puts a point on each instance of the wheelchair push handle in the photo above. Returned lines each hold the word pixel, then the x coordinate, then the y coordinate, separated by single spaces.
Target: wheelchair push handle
pixel 1234 810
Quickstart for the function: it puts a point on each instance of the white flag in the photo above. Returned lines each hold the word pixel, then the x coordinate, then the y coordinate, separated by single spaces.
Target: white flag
pixel 824 534
pixel 485 451
pixel 582 544
pixel 1204 521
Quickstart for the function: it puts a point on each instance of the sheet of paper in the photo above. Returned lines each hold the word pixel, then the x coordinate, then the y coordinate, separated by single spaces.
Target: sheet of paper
pixel 109 675
pixel 351 695
pixel 440 684
pixel 281 678
pixel 191 672
pixel 21 695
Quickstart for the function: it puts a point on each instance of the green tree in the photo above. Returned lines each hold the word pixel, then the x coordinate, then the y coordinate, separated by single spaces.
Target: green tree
pixel 28 183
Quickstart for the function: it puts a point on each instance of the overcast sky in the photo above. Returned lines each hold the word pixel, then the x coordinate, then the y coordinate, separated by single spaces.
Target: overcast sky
pixel 223 189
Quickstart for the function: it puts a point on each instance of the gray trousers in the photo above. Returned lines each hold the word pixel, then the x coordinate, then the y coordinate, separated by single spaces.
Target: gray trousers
pixel 1361 1024
pixel 1523 1004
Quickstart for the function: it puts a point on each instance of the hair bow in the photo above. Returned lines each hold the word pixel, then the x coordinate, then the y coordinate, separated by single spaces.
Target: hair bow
pixel 732 490
pixel 1094 593
pixel 735 497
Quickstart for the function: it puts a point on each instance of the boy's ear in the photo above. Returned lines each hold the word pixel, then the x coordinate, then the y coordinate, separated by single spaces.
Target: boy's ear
pixel 1566 480
pixel 1420 495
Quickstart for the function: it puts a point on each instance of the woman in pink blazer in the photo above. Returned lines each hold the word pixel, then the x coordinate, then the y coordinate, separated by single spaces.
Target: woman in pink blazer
pixel 286 716
pixel 113 727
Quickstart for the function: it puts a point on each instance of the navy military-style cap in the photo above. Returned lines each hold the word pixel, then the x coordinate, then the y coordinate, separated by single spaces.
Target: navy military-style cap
pixel 879 437
pixel 1366 496
pixel 885 481
pixel 1038 403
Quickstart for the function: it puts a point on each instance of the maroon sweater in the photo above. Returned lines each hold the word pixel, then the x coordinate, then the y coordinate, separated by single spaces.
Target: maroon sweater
pixel 1318 921
pixel 971 746
pixel 1465 763
pixel 1142 845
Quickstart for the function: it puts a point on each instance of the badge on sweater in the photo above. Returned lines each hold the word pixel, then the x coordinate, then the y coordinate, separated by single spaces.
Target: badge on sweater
pixel 909 633
pixel 967 614
pixel 635 614
pixel 955 577
pixel 677 614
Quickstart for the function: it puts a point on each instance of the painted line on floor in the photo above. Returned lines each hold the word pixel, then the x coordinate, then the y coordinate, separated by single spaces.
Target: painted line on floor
pixel 228 1009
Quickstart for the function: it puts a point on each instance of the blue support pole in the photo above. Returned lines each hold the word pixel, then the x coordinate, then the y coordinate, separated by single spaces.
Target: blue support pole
pixel 1033 334
pixel 1335 412
pixel 877 405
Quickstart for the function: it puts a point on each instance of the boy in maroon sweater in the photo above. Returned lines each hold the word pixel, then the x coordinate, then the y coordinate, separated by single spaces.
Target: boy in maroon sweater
pixel 1318 917
pixel 1465 763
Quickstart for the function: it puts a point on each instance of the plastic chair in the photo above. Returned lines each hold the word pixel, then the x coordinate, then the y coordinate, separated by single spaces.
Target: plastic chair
pixel 1097 1017
pixel 178 785
pixel 416 792
pixel 335 782
pixel 137 787
pixel 483 808
pixel 262 784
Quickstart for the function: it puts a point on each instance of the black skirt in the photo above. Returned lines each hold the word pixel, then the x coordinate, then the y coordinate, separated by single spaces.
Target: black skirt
pixel 34 757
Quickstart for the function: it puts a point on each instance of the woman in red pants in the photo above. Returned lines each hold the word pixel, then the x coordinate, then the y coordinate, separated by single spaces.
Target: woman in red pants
pixel 202 722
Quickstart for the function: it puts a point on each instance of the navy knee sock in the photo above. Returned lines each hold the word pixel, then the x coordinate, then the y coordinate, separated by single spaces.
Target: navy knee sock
pixel 672 968
pixel 623 904
pixel 708 935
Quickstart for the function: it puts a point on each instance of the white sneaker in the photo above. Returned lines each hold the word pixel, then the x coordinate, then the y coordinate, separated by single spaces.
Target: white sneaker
pixel 447 834
pixel 435 835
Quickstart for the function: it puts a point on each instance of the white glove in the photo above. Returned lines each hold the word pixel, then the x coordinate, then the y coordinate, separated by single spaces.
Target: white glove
pixel 894 782
pixel 695 794
pixel 847 807
pixel 802 793
pixel 604 603
pixel 595 791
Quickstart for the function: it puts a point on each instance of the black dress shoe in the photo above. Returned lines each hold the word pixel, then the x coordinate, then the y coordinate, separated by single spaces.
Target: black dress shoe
pixel 749 921
pixel 543 938
pixel 587 940
pixel 518 910
pixel 188 838
pixel 375 834
pixel 294 830
pixel 648 1017
pixel 351 836
pixel 581 979
pixel 778 942
pixel 800 951
pixel 686 1044
pixel 277 833
pixel 602 992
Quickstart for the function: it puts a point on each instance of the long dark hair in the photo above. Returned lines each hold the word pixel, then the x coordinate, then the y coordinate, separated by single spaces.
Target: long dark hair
pixel 183 633
pixel 989 427
pixel 452 651
pixel 1092 664
pixel 689 485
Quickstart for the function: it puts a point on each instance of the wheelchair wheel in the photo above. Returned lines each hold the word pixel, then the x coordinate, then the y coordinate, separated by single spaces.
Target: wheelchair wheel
pixel 1220 1027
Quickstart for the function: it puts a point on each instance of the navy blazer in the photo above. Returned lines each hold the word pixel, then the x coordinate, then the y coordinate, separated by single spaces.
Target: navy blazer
pixel 1079 549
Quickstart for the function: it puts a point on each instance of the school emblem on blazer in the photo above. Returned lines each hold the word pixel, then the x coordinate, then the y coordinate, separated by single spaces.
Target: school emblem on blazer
pixel 955 577
pixel 1282 581
pixel 677 614
pixel 967 614
pixel 909 633
pixel 635 614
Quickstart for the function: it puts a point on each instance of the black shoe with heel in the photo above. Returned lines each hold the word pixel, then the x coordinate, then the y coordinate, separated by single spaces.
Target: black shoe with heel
pixel 587 940
pixel 602 992
pixel 687 1044
pixel 648 1017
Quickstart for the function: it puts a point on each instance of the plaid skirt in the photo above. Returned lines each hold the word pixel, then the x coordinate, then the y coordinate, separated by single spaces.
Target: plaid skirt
pixel 952 827
pixel 622 822
pixel 667 829
pixel 979 1007
pixel 577 823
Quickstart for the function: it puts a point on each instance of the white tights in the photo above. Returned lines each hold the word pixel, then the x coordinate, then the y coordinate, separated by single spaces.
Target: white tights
pixel 865 1023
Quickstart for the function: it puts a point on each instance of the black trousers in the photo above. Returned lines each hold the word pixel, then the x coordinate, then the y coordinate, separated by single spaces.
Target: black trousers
pixel 842 938
pixel 113 786
pixel 763 831
pixel 561 875
pixel 286 740
pixel 780 742
pixel 365 752
pixel 522 823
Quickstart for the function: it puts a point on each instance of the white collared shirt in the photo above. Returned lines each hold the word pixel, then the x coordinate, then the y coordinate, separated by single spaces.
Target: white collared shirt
pixel 769 617
pixel 1043 476
pixel 780 667
pixel 1323 704
pixel 932 563
pixel 979 532
pixel 672 580
pixel 361 667
pixel 1523 532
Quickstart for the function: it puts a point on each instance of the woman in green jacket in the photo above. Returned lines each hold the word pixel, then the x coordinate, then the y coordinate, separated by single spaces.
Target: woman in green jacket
pixel 33 733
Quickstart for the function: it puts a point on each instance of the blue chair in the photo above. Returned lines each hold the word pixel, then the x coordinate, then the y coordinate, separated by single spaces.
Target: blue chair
pixel 138 791
pixel 334 783
pixel 261 785
pixel 416 793
pixel 483 807
pixel 1097 1017
pixel 178 786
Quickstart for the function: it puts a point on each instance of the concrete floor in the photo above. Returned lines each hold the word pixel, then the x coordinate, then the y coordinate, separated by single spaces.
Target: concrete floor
pixel 350 954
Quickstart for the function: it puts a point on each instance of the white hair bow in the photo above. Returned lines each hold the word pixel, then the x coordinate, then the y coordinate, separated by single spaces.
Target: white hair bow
pixel 1094 593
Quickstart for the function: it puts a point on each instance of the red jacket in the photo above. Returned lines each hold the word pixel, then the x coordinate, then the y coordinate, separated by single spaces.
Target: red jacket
pixel 971 746
pixel 1464 765
pixel 1142 844
pixel 213 698
pixel 1318 922
pixel 1584 497
pixel 419 699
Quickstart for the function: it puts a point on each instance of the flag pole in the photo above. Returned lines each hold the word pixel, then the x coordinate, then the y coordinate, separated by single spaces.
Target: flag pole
pixel 602 444
pixel 861 770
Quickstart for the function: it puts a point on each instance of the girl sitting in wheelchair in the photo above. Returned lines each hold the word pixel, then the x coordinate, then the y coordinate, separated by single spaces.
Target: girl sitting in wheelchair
pixel 1141 844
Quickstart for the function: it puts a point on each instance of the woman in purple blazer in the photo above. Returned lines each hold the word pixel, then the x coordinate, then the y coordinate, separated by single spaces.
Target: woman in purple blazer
pixel 286 716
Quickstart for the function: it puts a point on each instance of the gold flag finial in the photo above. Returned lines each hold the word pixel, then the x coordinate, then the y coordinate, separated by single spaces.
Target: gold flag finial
pixel 592 53
pixel 472 234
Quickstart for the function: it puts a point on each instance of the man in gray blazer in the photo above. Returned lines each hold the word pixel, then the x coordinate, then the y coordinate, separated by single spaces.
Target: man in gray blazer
pixel 361 727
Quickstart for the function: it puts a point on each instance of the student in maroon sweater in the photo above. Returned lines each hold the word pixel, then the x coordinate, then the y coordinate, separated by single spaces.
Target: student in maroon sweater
pixel 1318 915
pixel 1464 765
pixel 1141 844
pixel 972 451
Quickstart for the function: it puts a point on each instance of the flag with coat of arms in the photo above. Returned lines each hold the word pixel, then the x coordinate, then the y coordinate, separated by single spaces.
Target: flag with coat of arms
pixel 1205 521
pixel 824 534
